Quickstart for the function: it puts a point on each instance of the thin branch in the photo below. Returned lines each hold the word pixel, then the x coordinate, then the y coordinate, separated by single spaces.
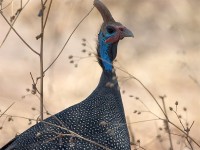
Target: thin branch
pixel 41 63
pixel 6 6
pixel 53 138
pixel 34 84
pixel 184 133
pixel 167 124
pixel 76 135
pixel 48 11
pixel 194 80
pixel 68 40
pixel 189 143
pixel 188 140
pixel 18 13
pixel 21 117
pixel 177 134
pixel 186 129
pixel 19 35
pixel 142 147
pixel 21 4
pixel 45 2
pixel 179 120
pixel 144 121
pixel 147 91
pixel 148 110
pixel 7 109
pixel 191 125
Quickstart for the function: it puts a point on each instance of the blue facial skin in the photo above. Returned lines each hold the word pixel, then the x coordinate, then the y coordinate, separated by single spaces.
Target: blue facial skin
pixel 104 50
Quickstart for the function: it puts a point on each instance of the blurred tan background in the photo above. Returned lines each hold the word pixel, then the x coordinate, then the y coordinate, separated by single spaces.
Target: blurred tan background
pixel 164 55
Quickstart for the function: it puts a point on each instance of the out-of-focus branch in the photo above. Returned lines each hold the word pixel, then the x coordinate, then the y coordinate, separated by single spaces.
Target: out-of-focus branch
pixel 68 40
pixel 194 80
pixel 6 6
pixel 167 123
pixel 17 15
pixel 19 35
pixel 47 16
pixel 7 109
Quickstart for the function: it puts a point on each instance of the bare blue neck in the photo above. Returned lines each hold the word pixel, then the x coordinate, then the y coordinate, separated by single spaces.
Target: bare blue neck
pixel 104 52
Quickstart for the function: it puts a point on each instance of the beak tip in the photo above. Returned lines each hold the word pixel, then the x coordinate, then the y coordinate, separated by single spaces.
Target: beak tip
pixel 132 35
pixel 128 33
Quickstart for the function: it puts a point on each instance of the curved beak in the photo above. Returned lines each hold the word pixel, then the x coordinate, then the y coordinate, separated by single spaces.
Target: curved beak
pixel 126 33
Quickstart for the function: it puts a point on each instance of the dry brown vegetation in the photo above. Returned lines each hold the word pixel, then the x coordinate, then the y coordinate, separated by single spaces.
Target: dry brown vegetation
pixel 164 56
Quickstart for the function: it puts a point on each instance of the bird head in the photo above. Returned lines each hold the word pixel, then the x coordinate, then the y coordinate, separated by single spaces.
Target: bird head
pixel 109 35
pixel 112 30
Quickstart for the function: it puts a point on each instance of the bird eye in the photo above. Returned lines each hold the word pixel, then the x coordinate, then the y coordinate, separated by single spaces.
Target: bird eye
pixel 110 29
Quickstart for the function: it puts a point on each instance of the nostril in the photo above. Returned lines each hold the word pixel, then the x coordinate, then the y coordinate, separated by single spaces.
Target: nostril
pixel 121 28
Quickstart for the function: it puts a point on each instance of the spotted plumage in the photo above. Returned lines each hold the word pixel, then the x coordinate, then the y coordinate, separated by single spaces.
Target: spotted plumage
pixel 96 123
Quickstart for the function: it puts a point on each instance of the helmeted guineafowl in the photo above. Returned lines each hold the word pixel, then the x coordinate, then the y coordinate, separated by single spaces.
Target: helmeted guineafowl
pixel 96 123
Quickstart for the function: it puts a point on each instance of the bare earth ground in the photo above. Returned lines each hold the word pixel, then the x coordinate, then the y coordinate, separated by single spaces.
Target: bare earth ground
pixel 164 55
